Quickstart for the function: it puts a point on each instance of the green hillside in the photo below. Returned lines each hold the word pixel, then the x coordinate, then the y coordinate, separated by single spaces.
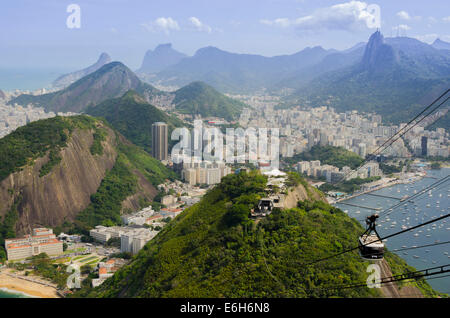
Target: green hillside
pixel 330 155
pixel 134 170
pixel 133 117
pixel 34 140
pixel 200 98
pixel 213 250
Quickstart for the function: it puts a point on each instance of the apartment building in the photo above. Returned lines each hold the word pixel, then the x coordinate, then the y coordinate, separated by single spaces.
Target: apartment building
pixel 42 240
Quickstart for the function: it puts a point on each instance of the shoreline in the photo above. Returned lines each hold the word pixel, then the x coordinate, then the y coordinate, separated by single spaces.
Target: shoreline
pixel 16 285
pixel 382 186
pixel 16 292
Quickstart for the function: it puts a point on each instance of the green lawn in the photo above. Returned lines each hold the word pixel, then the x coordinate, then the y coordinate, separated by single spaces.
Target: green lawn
pixel 88 259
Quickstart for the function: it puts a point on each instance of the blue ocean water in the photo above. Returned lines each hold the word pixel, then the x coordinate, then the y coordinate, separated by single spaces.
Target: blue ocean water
pixel 28 79
pixel 424 208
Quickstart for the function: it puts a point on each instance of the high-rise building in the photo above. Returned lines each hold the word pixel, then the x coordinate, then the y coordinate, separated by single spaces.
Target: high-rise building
pixel 160 140
pixel 424 145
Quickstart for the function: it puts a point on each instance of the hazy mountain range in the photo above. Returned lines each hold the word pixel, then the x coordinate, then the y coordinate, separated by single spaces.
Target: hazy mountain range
pixel 110 81
pixel 113 80
pixel 401 74
pixel 398 72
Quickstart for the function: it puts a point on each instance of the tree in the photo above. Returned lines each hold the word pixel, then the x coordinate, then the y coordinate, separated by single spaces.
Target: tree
pixel 237 214
pixel 64 246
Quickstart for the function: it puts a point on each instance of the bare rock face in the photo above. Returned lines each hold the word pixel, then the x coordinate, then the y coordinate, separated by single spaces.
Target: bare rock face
pixel 299 193
pixel 58 196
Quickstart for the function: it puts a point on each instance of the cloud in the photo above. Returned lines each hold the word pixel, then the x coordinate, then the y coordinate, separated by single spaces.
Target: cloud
pixel 280 22
pixel 162 25
pixel 402 27
pixel 199 26
pixel 349 16
pixel 403 15
pixel 446 19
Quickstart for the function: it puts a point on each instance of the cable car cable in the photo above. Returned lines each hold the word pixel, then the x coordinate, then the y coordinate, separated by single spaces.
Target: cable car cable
pixel 378 240
pixel 394 278
pixel 399 132
pixel 414 196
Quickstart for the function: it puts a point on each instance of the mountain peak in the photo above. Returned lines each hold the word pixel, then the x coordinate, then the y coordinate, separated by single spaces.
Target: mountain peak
pixel 67 79
pixel 208 50
pixel 164 46
pixel 160 58
pixel 440 45
pixel 104 58
pixel 377 54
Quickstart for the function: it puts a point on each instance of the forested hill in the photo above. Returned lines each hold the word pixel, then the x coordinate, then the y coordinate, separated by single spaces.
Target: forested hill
pixel 133 117
pixel 214 250
pixel 330 155
pixel 200 98
pixel 72 170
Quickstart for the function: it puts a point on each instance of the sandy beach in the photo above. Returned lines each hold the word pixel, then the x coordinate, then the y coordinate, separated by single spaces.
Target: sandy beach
pixel 24 286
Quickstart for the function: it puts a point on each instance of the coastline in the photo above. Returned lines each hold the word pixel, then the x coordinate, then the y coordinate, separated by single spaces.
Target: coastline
pixel 379 187
pixel 14 293
pixel 16 285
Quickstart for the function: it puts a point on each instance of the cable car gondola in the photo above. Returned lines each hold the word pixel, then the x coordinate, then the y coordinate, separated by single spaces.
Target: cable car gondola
pixel 370 245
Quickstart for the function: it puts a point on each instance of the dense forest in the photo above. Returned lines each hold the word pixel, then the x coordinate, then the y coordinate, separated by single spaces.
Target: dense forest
pixel 213 249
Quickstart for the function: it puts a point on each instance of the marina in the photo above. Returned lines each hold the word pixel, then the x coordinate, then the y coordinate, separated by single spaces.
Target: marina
pixel 428 206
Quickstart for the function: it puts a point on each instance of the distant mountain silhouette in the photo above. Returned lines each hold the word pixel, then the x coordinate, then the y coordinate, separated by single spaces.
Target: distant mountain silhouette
pixel 441 45
pixel 395 78
pixel 110 81
pixel 67 79
pixel 163 56
pixel 233 72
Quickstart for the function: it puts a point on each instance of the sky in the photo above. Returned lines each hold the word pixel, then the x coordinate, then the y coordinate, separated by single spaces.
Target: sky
pixel 36 34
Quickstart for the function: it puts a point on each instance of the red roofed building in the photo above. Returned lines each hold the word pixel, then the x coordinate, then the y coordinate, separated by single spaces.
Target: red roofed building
pixel 42 241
